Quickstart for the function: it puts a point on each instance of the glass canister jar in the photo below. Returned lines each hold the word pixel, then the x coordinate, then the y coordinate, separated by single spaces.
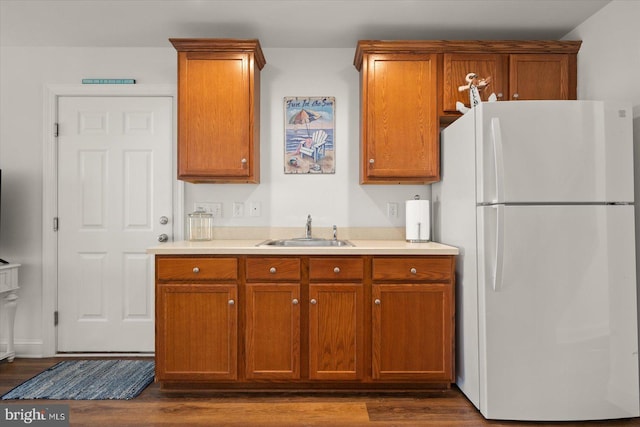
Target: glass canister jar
pixel 200 225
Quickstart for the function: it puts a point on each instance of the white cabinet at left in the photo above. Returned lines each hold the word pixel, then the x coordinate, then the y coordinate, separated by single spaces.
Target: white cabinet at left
pixel 8 305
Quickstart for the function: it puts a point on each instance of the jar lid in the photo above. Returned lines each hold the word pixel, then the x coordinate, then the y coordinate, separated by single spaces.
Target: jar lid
pixel 200 214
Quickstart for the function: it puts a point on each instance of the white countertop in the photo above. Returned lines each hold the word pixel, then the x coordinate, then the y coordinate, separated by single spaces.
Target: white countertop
pixel 249 247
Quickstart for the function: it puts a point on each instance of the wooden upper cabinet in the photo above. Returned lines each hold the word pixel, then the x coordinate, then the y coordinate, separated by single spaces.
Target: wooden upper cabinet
pixel 399 133
pixel 456 68
pixel 219 110
pixel 409 87
pixel 544 76
pixel 519 70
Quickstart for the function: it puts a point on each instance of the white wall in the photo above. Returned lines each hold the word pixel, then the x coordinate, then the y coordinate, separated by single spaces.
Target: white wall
pixel 337 199
pixel 609 58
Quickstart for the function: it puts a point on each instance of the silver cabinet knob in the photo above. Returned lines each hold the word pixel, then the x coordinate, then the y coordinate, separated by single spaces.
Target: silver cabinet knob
pixel 272 270
pixel 232 302
pixel 243 161
pixel 371 161
pixel 163 238
pixel 295 301
pixel 196 270
pixel 413 270
pixel 313 301
pixel 516 96
pixel 336 270
pixel 500 95
pixel 377 301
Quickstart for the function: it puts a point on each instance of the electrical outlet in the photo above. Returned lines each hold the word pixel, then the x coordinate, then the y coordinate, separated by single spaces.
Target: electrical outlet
pixel 254 209
pixel 214 208
pixel 392 210
pixel 238 209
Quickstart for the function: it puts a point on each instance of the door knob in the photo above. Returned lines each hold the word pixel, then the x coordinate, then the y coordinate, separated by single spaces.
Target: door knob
pixel 163 238
pixel 164 220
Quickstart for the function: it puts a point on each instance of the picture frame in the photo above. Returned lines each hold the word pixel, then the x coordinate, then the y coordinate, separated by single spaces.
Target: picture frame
pixel 309 146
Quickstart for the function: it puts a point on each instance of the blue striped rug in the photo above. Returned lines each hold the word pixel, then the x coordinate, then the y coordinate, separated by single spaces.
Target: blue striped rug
pixel 87 380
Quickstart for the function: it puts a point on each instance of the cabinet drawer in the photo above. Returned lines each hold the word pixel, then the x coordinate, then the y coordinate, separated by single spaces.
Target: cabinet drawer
pixel 197 268
pixel 328 268
pixel 272 268
pixel 438 268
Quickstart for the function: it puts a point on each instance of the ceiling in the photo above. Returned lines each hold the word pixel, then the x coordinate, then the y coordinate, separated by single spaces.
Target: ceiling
pixel 284 23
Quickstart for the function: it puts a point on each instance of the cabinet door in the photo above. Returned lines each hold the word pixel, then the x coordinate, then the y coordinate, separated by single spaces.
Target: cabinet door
pixel 336 331
pixel 543 76
pixel 196 332
pixel 272 331
pixel 215 116
pixel 412 332
pixel 400 119
pixel 456 68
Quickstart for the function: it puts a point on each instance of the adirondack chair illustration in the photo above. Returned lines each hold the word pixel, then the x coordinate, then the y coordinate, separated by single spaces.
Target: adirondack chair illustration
pixel 316 148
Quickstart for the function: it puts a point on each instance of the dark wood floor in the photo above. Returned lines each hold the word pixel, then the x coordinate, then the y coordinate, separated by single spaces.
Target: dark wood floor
pixel 155 408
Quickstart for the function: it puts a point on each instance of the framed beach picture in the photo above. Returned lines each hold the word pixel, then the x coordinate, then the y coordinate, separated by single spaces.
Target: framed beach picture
pixel 309 146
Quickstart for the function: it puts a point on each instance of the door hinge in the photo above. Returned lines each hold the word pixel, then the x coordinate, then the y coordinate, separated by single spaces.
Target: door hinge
pixel 55 223
pixel 56 129
pixel 55 318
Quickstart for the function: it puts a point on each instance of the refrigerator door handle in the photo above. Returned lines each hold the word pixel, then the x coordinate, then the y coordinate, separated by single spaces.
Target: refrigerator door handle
pixel 499 255
pixel 496 137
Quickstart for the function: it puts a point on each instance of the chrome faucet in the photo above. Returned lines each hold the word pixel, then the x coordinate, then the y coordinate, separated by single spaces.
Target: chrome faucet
pixel 307 228
pixel 335 232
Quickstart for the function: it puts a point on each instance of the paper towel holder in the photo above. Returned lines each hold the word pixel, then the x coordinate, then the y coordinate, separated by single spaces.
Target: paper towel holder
pixel 414 235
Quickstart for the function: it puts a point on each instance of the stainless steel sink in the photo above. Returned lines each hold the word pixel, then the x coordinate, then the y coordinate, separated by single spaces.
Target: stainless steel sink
pixel 306 241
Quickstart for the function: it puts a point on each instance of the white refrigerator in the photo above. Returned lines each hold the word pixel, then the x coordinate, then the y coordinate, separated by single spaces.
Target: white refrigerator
pixel 538 196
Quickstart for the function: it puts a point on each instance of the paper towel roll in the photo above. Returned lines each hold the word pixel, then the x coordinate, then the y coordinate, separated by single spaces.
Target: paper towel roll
pixel 418 220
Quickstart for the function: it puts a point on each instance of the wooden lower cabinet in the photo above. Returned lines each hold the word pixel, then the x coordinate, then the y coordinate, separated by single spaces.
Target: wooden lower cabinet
pixel 196 319
pixel 197 332
pixel 336 338
pixel 272 331
pixel 305 322
pixel 413 308
pixel 407 317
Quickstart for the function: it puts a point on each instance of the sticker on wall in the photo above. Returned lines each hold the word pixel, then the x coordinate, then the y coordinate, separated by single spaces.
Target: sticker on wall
pixel 309 145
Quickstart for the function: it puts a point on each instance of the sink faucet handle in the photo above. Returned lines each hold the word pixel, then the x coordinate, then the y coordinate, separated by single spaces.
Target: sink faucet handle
pixel 307 229
pixel 335 232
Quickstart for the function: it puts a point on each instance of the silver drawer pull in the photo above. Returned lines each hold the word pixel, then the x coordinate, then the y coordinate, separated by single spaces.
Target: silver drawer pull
pixel 336 270
pixel 313 301
pixel 377 301
pixel 272 270
pixel 196 270
pixel 413 270
pixel 231 302
pixel 295 301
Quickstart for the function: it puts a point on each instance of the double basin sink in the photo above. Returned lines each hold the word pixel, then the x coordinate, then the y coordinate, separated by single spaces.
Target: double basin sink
pixel 306 242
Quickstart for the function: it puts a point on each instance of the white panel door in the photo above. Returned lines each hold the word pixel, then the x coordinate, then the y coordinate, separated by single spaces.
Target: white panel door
pixel 557 308
pixel 114 186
